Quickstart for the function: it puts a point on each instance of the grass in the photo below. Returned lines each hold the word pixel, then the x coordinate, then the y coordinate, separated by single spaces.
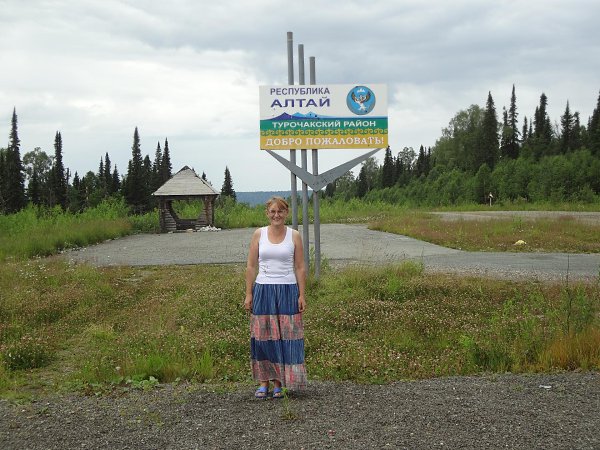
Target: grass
pixel 565 234
pixel 35 232
pixel 100 328
pixel 72 327
pixel 38 232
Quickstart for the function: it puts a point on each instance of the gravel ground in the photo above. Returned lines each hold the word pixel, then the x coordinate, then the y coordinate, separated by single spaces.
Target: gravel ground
pixel 558 411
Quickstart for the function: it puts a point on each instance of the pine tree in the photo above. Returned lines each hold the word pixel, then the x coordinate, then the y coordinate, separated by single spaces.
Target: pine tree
pixel 488 152
pixel 75 195
pixel 227 188
pixel 106 175
pixel 428 163
pixel 134 186
pixel 524 133
pixel 505 135
pixel 399 171
pixel 594 130
pixel 387 175
pixel 33 189
pixel 101 180
pixel 2 180
pixel 59 182
pixel 542 129
pixel 577 141
pixel 421 164
pixel 148 182
pixel 363 184
pixel 115 180
pixel 513 140
pixel 567 138
pixel 165 165
pixel 14 184
pixel 330 190
pixel 156 167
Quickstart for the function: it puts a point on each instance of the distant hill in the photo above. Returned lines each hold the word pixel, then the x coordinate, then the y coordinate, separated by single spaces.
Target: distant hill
pixel 259 197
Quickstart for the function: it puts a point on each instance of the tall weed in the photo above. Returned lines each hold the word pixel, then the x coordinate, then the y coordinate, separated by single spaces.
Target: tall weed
pixel 140 326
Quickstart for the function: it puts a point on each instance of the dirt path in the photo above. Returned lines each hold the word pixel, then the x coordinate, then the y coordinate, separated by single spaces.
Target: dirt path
pixel 340 244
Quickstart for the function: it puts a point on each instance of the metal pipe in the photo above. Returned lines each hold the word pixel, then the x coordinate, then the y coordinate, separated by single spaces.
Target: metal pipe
pixel 293 179
pixel 315 169
pixel 304 157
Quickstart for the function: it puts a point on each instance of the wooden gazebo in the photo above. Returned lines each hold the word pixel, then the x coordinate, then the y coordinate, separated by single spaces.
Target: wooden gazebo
pixel 185 185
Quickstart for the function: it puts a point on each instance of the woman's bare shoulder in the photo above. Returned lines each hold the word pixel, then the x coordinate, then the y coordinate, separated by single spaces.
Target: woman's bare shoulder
pixel 296 234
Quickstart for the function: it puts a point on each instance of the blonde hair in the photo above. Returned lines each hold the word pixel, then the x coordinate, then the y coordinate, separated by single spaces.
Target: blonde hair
pixel 280 202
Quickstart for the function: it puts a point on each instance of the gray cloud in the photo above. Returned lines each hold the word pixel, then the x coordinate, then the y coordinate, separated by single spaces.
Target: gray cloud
pixel 189 70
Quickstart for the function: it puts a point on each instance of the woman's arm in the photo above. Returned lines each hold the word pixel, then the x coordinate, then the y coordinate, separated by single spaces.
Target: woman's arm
pixel 300 269
pixel 251 266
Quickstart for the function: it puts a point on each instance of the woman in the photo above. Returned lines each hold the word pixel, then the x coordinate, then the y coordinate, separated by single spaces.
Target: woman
pixel 276 299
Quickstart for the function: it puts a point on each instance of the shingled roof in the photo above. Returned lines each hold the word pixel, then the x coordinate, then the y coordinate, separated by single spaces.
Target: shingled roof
pixel 185 183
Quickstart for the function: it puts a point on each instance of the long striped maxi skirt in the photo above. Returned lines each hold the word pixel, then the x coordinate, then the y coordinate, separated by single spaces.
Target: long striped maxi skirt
pixel 277 335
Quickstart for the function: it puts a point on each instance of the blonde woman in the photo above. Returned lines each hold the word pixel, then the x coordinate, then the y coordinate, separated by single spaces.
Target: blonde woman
pixel 275 282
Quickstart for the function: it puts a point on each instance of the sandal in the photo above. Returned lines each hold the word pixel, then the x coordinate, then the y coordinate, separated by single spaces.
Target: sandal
pixel 262 392
pixel 278 392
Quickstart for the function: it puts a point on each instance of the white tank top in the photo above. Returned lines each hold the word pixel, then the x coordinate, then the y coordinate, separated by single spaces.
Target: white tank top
pixel 276 261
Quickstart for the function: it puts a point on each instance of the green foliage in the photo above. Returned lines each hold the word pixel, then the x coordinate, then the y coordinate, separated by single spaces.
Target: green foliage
pixel 458 146
pixel 526 333
pixel 467 162
pixel 230 214
pixel 25 353
pixel 58 181
pixel 42 231
pixel 227 188
pixel 12 177
pixel 136 189
pixel 388 178
pixel 573 177
pixel 579 310
pixel 564 234
pixel 145 223
pixel 546 165
pixel 487 150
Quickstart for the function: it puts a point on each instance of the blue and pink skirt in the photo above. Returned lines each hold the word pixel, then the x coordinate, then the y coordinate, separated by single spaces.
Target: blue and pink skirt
pixel 277 335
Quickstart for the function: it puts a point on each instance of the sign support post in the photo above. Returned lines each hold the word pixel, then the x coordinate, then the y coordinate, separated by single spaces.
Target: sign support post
pixel 329 116
pixel 294 183
pixel 303 153
pixel 315 169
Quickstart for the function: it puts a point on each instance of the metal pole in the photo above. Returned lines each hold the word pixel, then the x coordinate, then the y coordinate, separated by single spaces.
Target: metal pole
pixel 304 157
pixel 315 168
pixel 294 189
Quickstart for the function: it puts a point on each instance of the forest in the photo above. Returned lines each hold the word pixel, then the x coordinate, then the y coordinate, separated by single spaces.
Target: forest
pixel 479 158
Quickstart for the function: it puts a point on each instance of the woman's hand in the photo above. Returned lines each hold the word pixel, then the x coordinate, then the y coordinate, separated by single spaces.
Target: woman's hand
pixel 301 303
pixel 248 303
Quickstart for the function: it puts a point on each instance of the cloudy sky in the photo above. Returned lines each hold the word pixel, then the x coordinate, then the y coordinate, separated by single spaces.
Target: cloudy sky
pixel 189 71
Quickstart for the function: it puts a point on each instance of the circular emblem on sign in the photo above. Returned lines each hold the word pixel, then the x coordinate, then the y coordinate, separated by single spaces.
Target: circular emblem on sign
pixel 360 100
